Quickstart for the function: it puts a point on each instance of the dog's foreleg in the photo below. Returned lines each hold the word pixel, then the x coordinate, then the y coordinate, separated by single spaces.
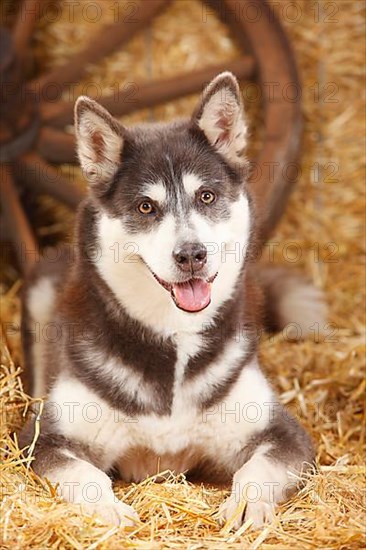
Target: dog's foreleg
pixel 68 466
pixel 277 456
pixel 80 482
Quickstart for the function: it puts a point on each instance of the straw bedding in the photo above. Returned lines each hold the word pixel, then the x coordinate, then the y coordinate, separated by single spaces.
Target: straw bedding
pixel 321 378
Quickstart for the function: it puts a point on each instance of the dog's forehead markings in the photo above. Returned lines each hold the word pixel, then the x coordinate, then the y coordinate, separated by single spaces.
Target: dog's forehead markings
pixel 156 191
pixel 191 182
pixel 171 167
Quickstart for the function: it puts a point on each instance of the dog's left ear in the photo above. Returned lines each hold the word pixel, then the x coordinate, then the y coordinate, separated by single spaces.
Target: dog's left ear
pixel 99 140
pixel 220 116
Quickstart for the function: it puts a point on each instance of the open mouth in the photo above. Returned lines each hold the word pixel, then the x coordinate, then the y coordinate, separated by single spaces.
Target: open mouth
pixel 192 295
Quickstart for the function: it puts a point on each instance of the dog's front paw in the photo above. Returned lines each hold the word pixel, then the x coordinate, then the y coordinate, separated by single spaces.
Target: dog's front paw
pixel 257 486
pixel 236 513
pixel 115 513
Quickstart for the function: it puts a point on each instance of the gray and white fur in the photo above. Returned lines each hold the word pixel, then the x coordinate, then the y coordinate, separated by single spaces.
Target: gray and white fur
pixel 147 353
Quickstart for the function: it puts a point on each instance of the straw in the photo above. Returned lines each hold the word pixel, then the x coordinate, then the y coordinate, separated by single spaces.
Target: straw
pixel 320 381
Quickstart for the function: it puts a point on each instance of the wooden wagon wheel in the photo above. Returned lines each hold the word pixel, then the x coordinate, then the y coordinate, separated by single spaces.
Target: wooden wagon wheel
pixel 31 126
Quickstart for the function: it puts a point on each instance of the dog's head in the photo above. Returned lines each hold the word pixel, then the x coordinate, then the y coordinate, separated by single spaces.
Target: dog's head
pixel 173 208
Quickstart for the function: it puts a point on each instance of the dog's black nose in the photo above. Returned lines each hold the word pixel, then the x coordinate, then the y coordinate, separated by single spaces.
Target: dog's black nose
pixel 190 256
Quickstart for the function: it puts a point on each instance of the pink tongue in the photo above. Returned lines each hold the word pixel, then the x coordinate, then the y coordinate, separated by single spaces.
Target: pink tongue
pixel 193 295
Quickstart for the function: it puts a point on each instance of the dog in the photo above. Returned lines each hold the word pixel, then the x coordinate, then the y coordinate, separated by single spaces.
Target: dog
pixel 143 368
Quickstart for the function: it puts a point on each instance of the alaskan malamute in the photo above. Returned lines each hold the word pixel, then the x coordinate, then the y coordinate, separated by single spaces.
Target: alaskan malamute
pixel 144 341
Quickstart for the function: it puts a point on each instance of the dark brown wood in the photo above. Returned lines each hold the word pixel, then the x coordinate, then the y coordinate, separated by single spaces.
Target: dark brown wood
pixel 135 96
pixel 28 15
pixel 44 178
pixel 18 117
pixel 16 222
pixel 110 37
pixel 56 146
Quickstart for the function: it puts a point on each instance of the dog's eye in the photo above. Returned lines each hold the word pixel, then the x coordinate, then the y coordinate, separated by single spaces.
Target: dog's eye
pixel 146 207
pixel 207 197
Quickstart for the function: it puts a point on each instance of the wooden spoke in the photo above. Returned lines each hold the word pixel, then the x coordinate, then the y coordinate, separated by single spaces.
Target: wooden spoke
pixel 28 15
pixel 46 179
pixel 56 146
pixel 148 94
pixel 102 45
pixel 16 222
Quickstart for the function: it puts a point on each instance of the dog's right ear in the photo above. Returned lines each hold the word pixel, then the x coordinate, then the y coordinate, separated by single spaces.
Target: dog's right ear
pixel 99 140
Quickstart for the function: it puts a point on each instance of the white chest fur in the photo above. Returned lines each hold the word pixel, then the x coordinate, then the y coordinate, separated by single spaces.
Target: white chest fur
pixel 175 441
